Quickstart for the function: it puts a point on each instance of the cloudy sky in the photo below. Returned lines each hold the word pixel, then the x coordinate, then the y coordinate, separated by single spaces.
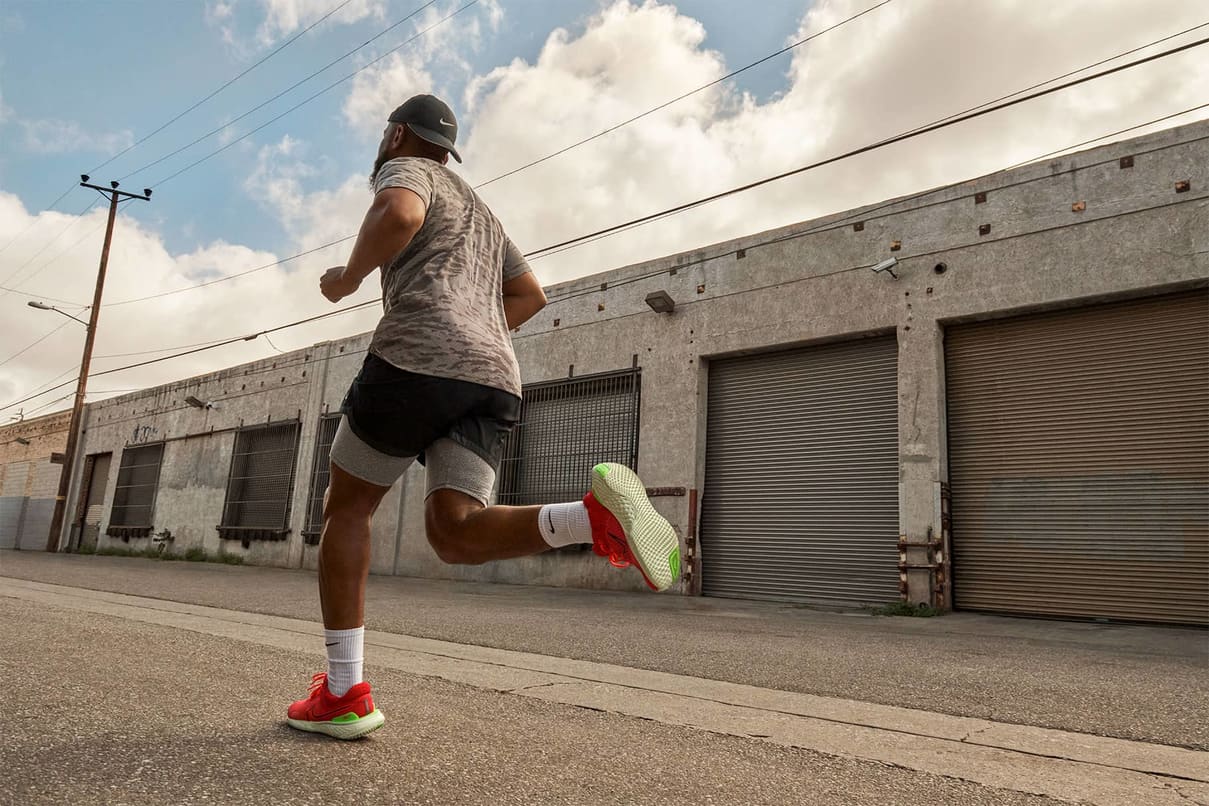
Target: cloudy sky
pixel 81 82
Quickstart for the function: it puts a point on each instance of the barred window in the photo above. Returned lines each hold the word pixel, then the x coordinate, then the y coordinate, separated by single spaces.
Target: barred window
pixel 320 477
pixel 134 496
pixel 566 428
pixel 261 483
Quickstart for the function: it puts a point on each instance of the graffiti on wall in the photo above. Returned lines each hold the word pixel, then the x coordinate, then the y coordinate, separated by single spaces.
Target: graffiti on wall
pixel 143 433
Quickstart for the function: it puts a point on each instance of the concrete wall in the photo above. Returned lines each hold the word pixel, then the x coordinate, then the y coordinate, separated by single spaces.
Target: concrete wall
pixel 1068 232
pixel 29 479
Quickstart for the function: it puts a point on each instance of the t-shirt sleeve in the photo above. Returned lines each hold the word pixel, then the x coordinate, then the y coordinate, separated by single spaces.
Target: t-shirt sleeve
pixel 514 262
pixel 406 173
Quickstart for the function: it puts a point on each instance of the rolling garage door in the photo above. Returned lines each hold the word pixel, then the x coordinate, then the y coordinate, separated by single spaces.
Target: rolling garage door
pixel 801 484
pixel 12 503
pixel 1079 461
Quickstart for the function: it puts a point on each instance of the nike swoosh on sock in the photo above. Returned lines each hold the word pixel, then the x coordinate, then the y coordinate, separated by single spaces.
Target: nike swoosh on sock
pixel 333 643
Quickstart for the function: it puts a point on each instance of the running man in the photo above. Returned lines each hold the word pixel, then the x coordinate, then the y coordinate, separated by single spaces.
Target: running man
pixel 441 385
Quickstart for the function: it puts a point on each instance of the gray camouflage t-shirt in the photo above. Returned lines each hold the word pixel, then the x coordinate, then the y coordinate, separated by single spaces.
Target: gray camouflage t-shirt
pixel 442 295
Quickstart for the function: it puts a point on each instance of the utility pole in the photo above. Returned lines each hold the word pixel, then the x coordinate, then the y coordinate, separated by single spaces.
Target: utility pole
pixel 116 197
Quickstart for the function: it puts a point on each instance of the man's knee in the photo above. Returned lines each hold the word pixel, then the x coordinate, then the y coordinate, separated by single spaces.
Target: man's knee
pixel 448 531
pixel 350 497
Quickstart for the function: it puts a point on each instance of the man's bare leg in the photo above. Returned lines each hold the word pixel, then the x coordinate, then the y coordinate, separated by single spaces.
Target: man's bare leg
pixel 348 510
pixel 464 531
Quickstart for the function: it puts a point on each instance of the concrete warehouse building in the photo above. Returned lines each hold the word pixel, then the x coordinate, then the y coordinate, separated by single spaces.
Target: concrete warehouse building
pixel 1013 417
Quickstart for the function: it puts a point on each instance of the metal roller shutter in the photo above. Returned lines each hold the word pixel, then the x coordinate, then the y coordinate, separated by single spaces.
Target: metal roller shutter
pixel 1079 461
pixel 40 507
pixel 801 484
pixel 12 503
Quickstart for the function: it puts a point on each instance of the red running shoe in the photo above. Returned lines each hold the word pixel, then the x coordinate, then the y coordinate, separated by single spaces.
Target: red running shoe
pixel 628 530
pixel 348 717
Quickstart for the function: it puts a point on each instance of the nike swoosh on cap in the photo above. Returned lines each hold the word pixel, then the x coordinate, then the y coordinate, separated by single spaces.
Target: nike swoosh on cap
pixel 445 122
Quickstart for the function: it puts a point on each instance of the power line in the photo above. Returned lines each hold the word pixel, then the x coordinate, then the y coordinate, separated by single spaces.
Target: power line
pixel 67 396
pixel 144 139
pixel 678 98
pixel 233 340
pixel 1121 55
pixel 227 277
pixel 287 90
pixel 34 344
pixel 51 242
pixel 33 222
pixel 865 149
pixel 1117 133
pixel 870 213
pixel 329 87
pixel 317 359
pixel 162 349
pixel 282 47
pixel 554 249
pixel 41 296
pixel 100 225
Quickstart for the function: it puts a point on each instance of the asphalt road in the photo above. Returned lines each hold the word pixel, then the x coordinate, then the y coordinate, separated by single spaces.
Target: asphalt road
pixel 1141 683
pixel 106 710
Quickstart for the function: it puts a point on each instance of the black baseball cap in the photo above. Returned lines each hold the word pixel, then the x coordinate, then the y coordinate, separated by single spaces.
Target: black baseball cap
pixel 431 119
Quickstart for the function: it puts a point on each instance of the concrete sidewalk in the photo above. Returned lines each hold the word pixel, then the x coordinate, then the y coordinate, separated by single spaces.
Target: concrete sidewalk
pixel 1140 683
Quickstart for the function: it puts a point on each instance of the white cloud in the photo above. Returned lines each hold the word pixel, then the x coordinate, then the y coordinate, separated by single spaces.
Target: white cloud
pixel 67 136
pixel 377 91
pixel 892 70
pixel 218 11
pixel 284 17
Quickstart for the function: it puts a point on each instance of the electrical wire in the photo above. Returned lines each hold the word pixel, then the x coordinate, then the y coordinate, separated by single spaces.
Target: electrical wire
pixel 100 225
pixel 34 344
pixel 867 148
pixel 645 219
pixel 554 249
pixel 303 103
pixel 678 98
pixel 363 305
pixel 229 82
pixel 144 139
pixel 1117 133
pixel 51 242
pixel 287 90
pixel 227 277
pixel 233 340
pixel 870 213
pixel 33 221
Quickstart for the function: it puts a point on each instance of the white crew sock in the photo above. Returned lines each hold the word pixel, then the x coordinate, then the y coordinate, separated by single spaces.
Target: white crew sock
pixel 565 524
pixel 345 654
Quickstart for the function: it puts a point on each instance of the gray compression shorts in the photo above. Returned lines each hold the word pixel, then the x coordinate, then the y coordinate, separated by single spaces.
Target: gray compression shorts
pixel 449 465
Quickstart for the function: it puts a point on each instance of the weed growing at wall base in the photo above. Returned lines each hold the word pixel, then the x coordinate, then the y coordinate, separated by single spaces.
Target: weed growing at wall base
pixel 194 555
pixel 907 609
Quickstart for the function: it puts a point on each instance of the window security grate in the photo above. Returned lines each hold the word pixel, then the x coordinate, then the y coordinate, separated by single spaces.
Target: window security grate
pixel 320 477
pixel 261 483
pixel 134 496
pixel 566 428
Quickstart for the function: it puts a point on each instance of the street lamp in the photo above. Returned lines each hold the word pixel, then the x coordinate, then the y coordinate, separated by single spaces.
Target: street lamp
pixel 42 306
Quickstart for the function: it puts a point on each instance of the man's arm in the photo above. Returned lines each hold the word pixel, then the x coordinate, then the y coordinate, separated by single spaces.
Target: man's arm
pixel 391 222
pixel 523 298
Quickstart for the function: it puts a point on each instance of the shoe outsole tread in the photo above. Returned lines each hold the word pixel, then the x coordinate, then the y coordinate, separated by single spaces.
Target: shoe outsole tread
pixel 652 539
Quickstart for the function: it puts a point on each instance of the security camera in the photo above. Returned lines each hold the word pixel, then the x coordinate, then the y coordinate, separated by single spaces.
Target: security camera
pixel 887 265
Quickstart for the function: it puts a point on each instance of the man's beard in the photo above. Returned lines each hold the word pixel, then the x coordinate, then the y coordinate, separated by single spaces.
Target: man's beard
pixel 378 163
